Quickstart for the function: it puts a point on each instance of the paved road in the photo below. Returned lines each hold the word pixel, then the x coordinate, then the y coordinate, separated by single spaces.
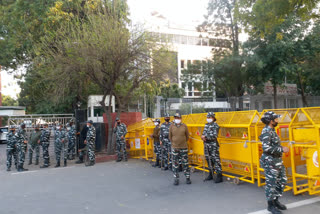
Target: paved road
pixel 130 187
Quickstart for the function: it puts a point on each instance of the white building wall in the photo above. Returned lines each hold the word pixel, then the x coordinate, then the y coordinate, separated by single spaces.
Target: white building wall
pixel 94 101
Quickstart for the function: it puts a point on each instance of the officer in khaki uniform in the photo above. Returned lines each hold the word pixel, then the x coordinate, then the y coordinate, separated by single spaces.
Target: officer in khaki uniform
pixel 179 136
pixel 156 143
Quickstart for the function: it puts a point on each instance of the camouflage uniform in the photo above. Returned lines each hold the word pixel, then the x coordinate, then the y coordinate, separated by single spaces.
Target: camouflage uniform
pixel 11 149
pixel 34 146
pixel 121 130
pixel 271 161
pixel 91 140
pixel 59 146
pixel 21 146
pixel 166 144
pixel 211 147
pixel 44 140
pixel 71 142
pixel 177 155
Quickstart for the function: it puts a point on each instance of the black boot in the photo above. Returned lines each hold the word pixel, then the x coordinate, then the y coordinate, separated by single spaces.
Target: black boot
pixel 91 163
pixel 30 161
pixel 176 181
pixel 57 165
pixel 8 169
pixel 119 159
pixel 21 169
pixel 37 162
pixel 272 208
pixel 65 163
pixel 188 181
pixel 156 163
pixel 279 205
pixel 79 161
pixel 219 178
pixel 209 177
pixel 165 168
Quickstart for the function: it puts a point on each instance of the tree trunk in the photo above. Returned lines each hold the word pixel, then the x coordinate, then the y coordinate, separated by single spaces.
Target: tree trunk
pixel 303 96
pixel 109 118
pixel 275 96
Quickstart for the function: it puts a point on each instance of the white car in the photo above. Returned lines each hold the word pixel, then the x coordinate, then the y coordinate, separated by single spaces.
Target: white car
pixel 3 134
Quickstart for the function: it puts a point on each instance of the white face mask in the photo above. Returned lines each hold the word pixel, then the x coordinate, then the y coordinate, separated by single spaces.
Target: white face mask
pixel 177 121
pixel 88 126
pixel 209 120
pixel 156 124
pixel 68 128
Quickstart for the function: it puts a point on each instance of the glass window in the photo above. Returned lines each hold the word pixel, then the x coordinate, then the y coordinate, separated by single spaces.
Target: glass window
pixel 205 41
pixel 183 84
pixel 198 41
pixel 182 63
pixel 98 111
pixel 189 62
pixel 189 86
pixel 176 38
pixel 184 40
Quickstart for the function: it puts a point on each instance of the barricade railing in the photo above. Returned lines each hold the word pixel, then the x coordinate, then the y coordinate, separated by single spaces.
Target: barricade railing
pixel 305 137
pixel 241 149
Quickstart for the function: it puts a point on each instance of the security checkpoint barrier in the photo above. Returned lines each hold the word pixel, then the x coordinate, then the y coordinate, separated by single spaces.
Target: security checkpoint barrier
pixel 241 149
pixel 237 130
pixel 139 142
pixel 305 137
pixel 283 131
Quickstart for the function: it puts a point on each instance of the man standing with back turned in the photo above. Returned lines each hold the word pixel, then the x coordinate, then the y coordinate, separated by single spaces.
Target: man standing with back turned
pixel 121 130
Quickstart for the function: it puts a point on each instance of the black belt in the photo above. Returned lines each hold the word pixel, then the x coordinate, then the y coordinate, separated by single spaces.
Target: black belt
pixel 273 155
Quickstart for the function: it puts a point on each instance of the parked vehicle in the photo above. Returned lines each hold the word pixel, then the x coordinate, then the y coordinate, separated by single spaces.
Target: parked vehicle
pixel 3 134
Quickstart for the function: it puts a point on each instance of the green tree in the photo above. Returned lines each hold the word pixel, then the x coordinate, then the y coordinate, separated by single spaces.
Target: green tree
pixel 224 70
pixel 9 101
pixel 261 17
pixel 102 48
pixel 276 54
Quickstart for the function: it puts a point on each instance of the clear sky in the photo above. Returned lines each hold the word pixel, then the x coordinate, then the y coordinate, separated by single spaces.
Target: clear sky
pixel 178 11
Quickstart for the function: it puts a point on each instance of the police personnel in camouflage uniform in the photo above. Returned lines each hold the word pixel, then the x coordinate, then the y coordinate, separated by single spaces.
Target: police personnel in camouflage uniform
pixel 179 136
pixel 11 148
pixel 44 141
pixel 211 147
pixel 271 161
pixel 165 142
pixel 71 133
pixel 121 130
pixel 156 143
pixel 90 143
pixel 34 145
pixel 60 145
pixel 21 138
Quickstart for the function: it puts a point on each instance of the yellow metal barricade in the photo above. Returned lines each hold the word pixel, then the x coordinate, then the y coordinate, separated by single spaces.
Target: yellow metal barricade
pixel 305 137
pixel 283 131
pixel 139 140
pixel 237 131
